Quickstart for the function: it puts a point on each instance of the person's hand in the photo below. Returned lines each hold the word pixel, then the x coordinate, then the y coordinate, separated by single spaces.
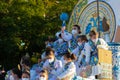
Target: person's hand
pixel 63 29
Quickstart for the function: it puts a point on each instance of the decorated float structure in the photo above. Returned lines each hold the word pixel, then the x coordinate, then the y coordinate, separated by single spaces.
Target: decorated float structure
pixel 102 16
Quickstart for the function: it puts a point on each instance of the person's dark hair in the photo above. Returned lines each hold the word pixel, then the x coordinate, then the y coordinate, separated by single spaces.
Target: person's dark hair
pixel 60 35
pixel 48 50
pixel 44 71
pixel 83 37
pixel 17 72
pixel 92 33
pixel 26 61
pixel 71 56
pixel 25 72
pixel 78 28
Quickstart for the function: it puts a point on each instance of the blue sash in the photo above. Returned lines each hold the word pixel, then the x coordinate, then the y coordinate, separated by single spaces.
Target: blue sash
pixel 52 64
pixel 60 48
pixel 67 65
pixel 92 44
pixel 81 47
pixel 94 53
pixel 73 43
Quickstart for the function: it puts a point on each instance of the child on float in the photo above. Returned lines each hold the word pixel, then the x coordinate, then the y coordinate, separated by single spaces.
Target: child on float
pixel 36 68
pixel 61 44
pixel 95 42
pixel 68 40
pixel 43 75
pixel 52 65
pixel 68 71
pixel 76 31
pixel 83 52
pixel 84 49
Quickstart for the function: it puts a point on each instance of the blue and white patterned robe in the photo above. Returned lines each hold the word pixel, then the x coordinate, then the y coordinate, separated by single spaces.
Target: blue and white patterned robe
pixel 53 68
pixel 67 72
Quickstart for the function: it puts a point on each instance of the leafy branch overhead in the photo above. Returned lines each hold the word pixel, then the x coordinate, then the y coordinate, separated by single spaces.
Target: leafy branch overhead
pixel 29 22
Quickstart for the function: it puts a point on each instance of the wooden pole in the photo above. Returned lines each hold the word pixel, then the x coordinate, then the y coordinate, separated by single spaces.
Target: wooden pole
pixel 98 18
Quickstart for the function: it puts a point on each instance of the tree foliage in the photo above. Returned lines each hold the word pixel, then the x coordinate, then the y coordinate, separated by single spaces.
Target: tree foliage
pixel 25 25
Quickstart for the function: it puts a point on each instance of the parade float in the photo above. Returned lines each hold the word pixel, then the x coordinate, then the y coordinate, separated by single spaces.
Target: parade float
pixel 102 16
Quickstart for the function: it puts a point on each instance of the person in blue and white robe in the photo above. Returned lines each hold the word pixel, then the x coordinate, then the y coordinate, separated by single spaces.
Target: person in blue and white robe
pixel 68 71
pixel 85 50
pixel 82 50
pixel 52 65
pixel 61 44
pixel 96 43
pixel 73 41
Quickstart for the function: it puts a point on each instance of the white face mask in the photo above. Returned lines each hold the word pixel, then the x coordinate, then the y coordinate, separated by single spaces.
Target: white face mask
pixel 60 40
pixel 79 43
pixel 94 40
pixel 42 78
pixel 11 77
pixel 74 32
pixel 50 60
pixel 25 79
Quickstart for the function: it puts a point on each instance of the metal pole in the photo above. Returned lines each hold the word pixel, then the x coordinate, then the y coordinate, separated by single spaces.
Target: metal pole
pixel 98 17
